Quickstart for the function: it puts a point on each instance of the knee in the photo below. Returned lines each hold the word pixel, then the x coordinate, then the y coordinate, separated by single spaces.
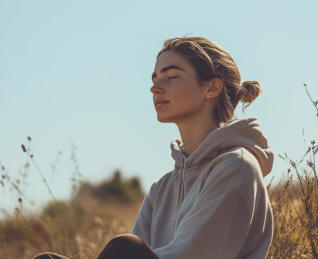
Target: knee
pixel 49 255
pixel 124 240
pixel 126 246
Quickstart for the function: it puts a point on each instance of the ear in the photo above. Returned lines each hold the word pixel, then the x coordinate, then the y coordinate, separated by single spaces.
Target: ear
pixel 213 88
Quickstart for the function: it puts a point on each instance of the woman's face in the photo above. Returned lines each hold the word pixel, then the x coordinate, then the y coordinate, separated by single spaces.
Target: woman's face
pixel 176 83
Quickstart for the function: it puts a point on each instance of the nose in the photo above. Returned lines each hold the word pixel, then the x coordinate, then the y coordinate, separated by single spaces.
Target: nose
pixel 155 89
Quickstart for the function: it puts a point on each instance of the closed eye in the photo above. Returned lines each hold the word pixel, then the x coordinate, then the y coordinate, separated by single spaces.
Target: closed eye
pixel 171 77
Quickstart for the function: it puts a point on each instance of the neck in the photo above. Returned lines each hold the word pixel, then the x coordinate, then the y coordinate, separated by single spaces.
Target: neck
pixel 194 130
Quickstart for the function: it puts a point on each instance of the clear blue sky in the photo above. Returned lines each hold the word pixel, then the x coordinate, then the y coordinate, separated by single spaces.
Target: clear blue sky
pixel 79 71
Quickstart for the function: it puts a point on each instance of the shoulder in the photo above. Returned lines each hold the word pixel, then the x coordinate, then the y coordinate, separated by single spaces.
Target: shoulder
pixel 236 168
pixel 235 174
pixel 250 166
pixel 248 181
pixel 239 161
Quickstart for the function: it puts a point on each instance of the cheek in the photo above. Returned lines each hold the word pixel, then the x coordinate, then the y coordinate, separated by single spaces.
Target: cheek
pixel 187 94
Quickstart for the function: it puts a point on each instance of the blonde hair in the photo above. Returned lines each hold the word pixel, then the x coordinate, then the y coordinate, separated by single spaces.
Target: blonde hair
pixel 210 61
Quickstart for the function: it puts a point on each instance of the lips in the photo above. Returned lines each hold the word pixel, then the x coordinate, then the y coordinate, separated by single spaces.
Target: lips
pixel 160 103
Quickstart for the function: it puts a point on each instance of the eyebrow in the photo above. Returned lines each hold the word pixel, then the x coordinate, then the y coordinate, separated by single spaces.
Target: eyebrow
pixel 165 69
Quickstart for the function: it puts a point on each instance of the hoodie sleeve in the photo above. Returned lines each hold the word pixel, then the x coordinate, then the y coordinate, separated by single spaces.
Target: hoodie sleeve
pixel 142 226
pixel 217 225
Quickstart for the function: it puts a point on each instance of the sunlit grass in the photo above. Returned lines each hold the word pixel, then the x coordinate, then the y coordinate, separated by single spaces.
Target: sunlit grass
pixel 78 228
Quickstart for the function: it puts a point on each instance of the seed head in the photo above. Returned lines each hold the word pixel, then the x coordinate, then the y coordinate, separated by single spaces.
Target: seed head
pixel 310 164
pixel 293 164
pixel 23 148
pixel 29 138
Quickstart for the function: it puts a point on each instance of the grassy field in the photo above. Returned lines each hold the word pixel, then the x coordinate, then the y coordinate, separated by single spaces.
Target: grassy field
pixel 295 208
pixel 78 228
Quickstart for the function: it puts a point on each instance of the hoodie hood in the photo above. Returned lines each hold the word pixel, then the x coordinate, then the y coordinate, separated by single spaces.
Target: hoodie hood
pixel 239 133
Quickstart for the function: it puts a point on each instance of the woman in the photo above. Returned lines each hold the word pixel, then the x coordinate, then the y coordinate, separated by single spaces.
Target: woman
pixel 213 204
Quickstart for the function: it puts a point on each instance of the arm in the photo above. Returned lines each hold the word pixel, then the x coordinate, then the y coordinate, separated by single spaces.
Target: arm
pixel 142 226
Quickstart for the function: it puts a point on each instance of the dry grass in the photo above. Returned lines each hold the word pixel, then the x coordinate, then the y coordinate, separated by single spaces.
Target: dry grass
pixel 79 228
pixel 295 206
pixel 296 219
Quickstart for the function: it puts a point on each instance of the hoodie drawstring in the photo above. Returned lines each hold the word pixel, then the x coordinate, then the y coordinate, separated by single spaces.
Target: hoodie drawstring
pixel 180 192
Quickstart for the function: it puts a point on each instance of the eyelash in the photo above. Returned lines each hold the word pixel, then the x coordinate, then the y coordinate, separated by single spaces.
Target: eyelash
pixel 171 77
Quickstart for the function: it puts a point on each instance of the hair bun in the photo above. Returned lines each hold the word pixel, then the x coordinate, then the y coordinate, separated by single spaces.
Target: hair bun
pixel 249 91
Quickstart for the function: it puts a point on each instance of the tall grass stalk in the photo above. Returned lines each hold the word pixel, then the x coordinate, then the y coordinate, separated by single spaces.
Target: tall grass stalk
pixel 27 151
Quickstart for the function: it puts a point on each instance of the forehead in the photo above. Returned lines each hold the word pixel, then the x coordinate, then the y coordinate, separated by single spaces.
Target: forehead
pixel 170 57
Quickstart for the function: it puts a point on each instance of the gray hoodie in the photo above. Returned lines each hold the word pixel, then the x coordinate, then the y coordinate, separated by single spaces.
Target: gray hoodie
pixel 213 204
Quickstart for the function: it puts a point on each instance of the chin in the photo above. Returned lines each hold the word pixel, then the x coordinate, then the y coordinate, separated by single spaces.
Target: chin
pixel 174 118
pixel 170 118
pixel 166 119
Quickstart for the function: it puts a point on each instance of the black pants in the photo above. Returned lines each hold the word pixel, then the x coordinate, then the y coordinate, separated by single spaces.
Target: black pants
pixel 122 246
